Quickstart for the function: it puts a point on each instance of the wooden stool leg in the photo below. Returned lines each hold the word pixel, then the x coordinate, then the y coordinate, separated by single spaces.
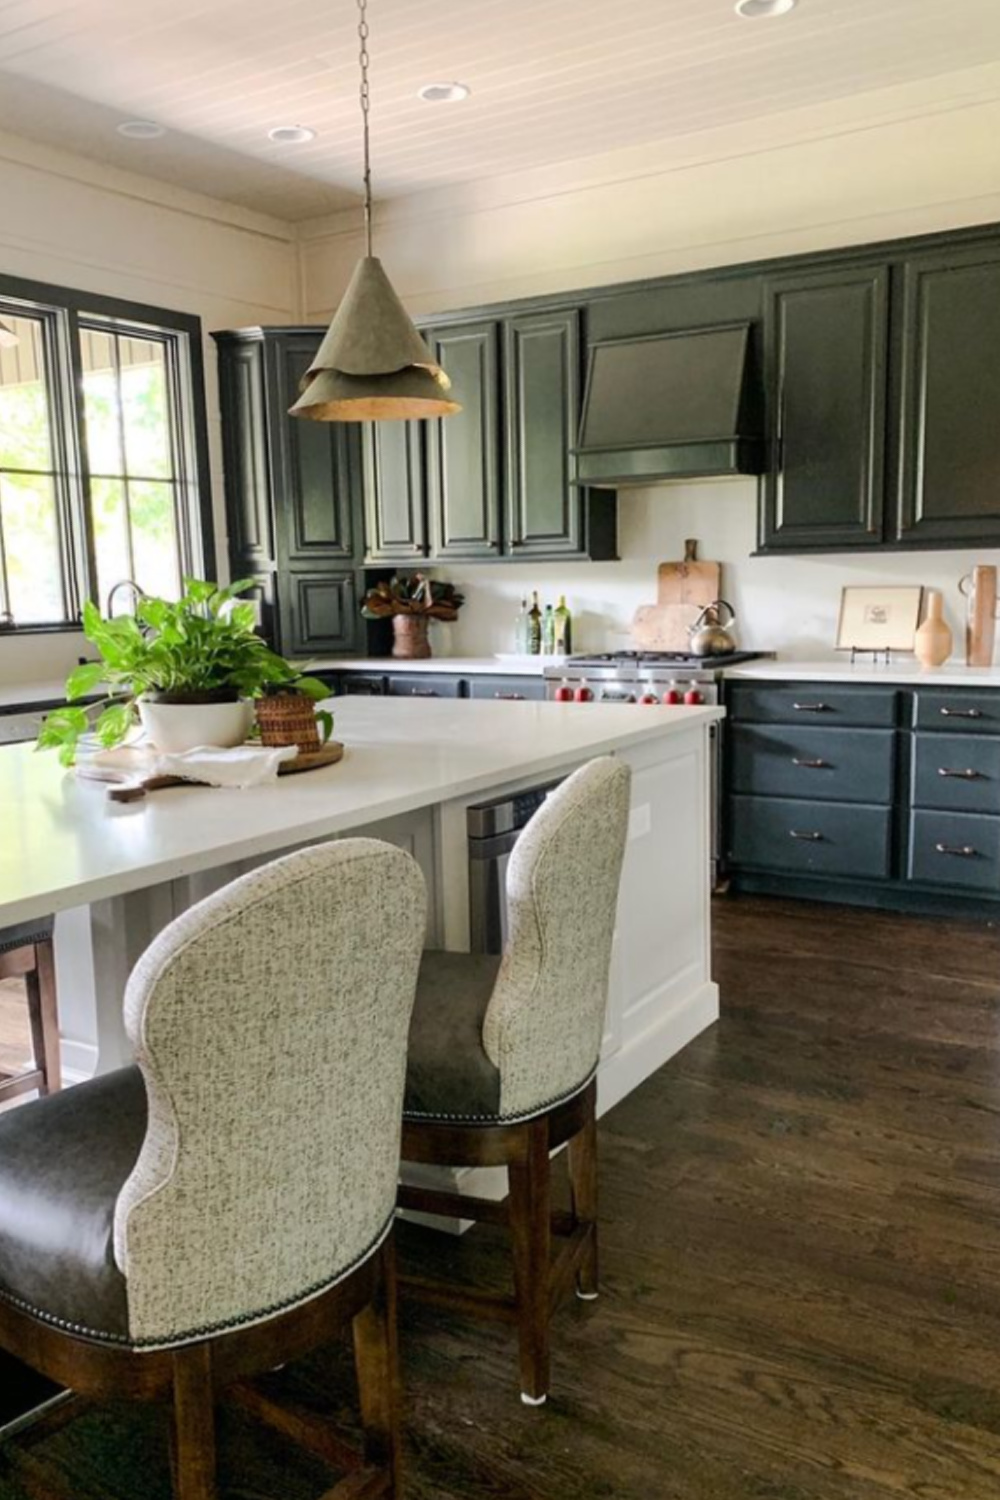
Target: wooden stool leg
pixel 582 1159
pixel 531 1232
pixel 194 1424
pixel 376 1359
pixel 44 1017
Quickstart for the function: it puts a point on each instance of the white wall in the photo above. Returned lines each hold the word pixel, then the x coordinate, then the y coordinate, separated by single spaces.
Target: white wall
pixel 786 603
pixel 74 223
pixel 908 160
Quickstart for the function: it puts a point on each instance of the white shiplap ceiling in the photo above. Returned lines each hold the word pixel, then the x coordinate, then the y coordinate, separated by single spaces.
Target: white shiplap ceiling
pixel 552 81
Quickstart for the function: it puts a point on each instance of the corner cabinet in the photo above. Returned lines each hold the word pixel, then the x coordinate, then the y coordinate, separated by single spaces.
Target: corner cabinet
pixel 949 437
pixel 293 494
pixel 826 342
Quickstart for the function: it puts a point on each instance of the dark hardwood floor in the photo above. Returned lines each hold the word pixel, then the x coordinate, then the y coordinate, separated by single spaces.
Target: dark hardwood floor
pixel 800 1252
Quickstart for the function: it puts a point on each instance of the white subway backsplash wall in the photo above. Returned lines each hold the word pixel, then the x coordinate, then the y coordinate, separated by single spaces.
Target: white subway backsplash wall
pixel 784 604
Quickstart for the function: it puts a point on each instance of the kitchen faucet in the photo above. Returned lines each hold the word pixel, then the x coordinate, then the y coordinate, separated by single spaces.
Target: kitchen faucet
pixel 124 583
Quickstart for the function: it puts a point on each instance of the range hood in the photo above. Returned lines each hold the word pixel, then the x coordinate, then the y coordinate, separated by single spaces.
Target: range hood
pixel 670 406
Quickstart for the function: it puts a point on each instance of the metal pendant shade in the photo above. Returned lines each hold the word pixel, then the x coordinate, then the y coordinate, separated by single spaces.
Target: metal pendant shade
pixel 373 365
pixel 8 338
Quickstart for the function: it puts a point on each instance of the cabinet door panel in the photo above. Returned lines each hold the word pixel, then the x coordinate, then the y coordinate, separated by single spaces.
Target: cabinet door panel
pixel 244 453
pixel 949 455
pixel 315 465
pixel 394 492
pixel 319 612
pixel 826 374
pixel 463 450
pixel 542 409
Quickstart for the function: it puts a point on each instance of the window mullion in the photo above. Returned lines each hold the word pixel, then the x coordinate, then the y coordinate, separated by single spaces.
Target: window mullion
pixel 84 583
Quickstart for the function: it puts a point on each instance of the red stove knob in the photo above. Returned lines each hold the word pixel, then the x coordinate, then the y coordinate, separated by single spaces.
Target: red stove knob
pixel 671 696
pixel 694 695
pixel 649 698
pixel 563 693
pixel 583 694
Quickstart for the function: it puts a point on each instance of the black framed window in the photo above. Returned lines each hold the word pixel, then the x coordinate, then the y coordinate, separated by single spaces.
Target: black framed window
pixel 103 463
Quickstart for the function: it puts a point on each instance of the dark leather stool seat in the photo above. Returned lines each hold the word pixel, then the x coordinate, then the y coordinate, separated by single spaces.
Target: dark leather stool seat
pixel 448 1074
pixel 63 1163
pixel 26 953
pixel 24 933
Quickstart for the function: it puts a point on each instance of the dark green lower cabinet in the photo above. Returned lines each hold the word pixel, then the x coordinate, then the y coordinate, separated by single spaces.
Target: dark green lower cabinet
pixel 955 849
pixel 906 816
pixel 810 838
pixel 831 765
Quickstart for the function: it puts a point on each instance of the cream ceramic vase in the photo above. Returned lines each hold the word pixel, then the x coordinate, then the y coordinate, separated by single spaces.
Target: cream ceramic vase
pixel 933 641
pixel 175 727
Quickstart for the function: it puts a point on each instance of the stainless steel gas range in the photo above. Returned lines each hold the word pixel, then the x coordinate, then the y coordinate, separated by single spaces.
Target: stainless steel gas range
pixel 641 677
pixel 672 678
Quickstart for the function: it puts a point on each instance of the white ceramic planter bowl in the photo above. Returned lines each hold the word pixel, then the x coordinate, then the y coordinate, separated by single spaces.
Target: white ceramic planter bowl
pixel 176 727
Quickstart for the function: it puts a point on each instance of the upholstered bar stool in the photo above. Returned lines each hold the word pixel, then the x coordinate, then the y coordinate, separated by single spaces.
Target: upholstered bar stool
pixel 503 1057
pixel 26 953
pixel 226 1205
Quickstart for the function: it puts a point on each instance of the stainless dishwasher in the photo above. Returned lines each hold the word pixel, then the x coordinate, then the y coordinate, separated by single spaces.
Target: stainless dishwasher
pixel 493 828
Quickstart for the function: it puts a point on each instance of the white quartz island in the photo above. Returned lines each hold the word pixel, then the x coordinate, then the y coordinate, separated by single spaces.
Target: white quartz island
pixel 117 873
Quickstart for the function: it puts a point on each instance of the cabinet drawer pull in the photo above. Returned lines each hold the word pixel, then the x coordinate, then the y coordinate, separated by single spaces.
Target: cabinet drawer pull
pixel 809 838
pixel 968 775
pixel 811 765
pixel 510 697
pixel 814 708
pixel 963 851
pixel 961 713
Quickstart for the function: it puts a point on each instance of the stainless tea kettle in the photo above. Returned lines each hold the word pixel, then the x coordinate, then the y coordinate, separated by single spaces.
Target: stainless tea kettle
pixel 710 636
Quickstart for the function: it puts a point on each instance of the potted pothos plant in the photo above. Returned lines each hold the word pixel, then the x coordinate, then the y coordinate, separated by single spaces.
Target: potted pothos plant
pixel 188 670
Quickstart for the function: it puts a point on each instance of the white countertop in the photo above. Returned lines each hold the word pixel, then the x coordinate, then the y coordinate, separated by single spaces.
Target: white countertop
pixel 906 671
pixel 458 666
pixel 27 694
pixel 64 844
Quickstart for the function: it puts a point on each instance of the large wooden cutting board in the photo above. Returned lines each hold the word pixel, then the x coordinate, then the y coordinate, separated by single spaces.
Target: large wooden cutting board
pixel 683 590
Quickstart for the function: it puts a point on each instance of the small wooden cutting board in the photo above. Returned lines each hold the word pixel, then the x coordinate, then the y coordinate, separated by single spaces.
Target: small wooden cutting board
pixel 683 590
pixel 689 582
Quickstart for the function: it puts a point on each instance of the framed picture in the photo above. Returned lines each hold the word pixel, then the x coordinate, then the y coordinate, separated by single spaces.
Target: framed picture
pixel 879 619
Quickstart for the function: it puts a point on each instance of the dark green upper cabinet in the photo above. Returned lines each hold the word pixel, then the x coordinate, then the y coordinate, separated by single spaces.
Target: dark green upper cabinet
pixel 293 494
pixel 542 393
pixel 548 514
pixel 826 337
pixel 463 451
pixel 315 464
pixel 948 458
pixel 395 495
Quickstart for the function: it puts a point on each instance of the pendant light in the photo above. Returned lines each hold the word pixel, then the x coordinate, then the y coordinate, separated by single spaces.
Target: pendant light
pixel 8 338
pixel 372 364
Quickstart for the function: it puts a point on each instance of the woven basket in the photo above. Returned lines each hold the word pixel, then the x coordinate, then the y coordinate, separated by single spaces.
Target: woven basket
pixel 288 719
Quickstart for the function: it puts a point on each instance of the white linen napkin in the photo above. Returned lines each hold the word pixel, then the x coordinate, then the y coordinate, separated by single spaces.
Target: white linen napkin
pixel 242 766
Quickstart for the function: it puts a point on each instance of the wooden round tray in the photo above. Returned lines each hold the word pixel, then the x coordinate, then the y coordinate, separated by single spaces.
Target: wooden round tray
pixel 311 760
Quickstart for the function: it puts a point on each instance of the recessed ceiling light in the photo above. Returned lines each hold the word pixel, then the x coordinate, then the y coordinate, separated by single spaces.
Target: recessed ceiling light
pixel 141 130
pixel 444 93
pixel 759 10
pixel 291 135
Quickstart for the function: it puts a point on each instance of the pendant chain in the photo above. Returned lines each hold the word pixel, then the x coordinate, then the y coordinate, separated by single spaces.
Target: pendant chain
pixel 365 97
